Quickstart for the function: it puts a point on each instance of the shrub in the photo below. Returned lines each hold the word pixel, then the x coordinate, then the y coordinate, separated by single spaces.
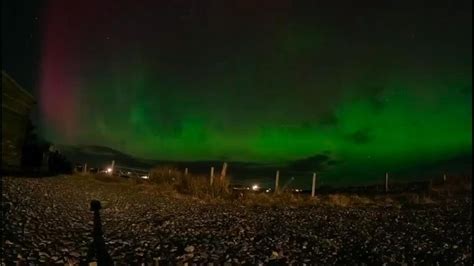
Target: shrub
pixel 164 175
pixel 414 199
pixel 195 185
pixel 361 200
pixel 339 200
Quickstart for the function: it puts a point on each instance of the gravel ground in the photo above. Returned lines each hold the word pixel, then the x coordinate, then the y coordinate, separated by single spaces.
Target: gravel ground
pixel 47 221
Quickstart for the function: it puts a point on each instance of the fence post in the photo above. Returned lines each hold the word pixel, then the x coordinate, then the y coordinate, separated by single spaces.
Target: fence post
pixel 212 175
pixel 112 167
pixel 223 171
pixel 386 182
pixel 444 178
pixel 85 169
pixel 277 178
pixel 313 188
pixel 186 171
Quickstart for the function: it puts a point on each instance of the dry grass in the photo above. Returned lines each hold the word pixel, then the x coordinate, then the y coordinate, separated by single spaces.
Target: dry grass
pixel 171 183
pixel 408 199
pixel 164 175
pixel 280 199
pixel 339 200
pixel 168 178
pixel 454 185
pixel 343 200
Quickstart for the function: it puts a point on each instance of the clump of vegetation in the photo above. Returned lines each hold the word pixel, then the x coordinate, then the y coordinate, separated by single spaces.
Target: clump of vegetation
pixel 195 185
pixel 340 200
pixel 347 200
pixel 273 199
pixel 408 199
pixel 164 175
pixel 452 186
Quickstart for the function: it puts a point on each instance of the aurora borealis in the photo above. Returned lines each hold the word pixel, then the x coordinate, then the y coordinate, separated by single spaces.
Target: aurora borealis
pixel 364 88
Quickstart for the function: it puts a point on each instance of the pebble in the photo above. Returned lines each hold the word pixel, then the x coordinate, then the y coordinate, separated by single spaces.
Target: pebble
pixel 145 227
pixel 189 249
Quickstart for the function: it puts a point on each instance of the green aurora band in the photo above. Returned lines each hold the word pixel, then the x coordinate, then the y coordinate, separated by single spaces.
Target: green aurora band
pixel 370 93
pixel 401 125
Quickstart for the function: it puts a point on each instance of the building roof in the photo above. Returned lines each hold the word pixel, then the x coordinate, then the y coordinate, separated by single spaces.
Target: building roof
pixel 8 78
pixel 14 97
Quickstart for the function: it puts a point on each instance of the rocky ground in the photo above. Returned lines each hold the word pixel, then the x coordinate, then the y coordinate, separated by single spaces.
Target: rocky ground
pixel 47 221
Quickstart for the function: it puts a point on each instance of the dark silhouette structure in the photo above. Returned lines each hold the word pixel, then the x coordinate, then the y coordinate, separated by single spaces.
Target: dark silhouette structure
pixel 97 250
pixel 59 164
pixel 34 151
pixel 16 106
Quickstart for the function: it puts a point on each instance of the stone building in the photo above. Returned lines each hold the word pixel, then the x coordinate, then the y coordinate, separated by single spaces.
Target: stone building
pixel 16 106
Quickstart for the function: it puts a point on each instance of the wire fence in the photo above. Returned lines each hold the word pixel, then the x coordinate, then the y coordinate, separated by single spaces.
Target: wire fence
pixel 299 181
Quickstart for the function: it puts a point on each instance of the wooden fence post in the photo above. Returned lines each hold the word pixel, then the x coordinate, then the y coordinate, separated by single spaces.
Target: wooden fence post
pixel 386 182
pixel 277 179
pixel 313 188
pixel 85 169
pixel 223 171
pixel 186 171
pixel 112 167
pixel 212 175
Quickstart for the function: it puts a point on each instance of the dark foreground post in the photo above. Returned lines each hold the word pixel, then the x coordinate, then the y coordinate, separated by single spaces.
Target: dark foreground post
pixel 97 250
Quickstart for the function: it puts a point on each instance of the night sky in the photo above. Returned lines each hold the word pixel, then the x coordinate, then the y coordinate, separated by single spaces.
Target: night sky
pixel 351 87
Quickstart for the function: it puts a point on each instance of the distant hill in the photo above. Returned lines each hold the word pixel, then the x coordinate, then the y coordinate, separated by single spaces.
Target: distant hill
pixel 100 156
